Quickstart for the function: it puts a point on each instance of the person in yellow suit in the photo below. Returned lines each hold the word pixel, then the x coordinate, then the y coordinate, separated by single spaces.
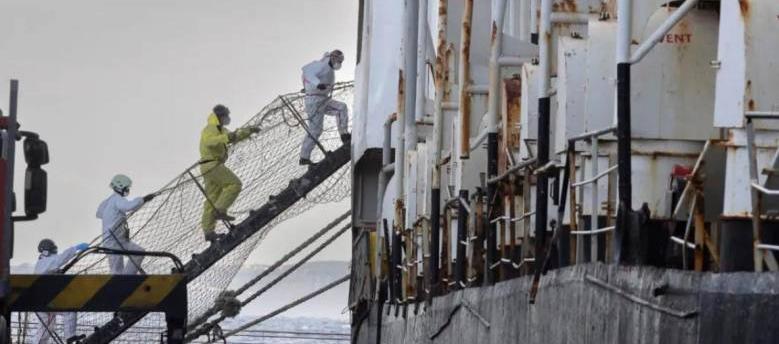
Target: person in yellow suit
pixel 222 186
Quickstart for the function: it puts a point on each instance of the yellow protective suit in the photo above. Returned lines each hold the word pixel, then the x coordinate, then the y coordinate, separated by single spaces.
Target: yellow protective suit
pixel 222 185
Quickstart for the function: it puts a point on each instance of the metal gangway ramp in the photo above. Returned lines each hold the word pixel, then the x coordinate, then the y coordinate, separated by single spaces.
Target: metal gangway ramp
pixel 275 188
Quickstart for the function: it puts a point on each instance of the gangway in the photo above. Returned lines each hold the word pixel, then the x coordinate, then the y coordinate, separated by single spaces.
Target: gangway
pixel 275 188
pixel 256 220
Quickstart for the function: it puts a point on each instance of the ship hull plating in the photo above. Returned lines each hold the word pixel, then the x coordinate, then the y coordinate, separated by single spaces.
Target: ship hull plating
pixel 593 303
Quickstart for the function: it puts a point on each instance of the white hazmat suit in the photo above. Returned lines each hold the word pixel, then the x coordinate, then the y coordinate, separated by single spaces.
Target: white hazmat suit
pixel 319 103
pixel 48 264
pixel 113 211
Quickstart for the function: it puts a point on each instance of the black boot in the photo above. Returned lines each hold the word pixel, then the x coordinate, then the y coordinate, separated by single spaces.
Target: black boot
pixel 75 339
pixel 212 237
pixel 304 161
pixel 223 216
pixel 346 138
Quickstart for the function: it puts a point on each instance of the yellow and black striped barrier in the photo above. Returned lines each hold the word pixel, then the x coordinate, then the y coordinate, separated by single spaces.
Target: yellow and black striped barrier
pixel 97 293
pixel 104 293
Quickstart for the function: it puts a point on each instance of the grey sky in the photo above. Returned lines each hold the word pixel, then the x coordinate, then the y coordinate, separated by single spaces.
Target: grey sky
pixel 124 87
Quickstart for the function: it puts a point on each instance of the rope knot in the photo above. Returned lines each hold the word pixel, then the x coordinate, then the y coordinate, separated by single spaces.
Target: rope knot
pixel 228 303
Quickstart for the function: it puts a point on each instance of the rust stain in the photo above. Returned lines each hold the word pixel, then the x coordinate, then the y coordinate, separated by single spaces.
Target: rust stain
pixel 740 216
pixel 656 154
pixel 465 80
pixel 494 32
pixel 442 8
pixel 441 64
pixel 401 91
pixel 751 105
pixel 512 109
pixel 569 5
pixel 682 26
pixel 564 6
pixel 744 5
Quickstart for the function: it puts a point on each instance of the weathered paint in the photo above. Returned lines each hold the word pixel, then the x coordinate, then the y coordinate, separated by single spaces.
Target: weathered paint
pixel 465 80
pixel 723 308
pixel 511 111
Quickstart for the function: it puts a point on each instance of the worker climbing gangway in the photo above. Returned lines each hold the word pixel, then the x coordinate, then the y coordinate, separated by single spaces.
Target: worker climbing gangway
pixel 275 188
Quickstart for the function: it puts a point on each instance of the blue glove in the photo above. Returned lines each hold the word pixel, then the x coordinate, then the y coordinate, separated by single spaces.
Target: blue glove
pixel 82 246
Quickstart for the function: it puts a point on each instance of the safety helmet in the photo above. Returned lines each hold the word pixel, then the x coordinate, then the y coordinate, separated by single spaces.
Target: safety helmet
pixel 47 246
pixel 221 110
pixel 121 184
pixel 336 56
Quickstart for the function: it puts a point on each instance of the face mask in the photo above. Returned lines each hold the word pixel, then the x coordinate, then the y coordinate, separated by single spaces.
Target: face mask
pixel 337 66
pixel 224 120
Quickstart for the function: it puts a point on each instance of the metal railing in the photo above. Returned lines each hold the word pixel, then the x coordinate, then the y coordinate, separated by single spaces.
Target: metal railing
pixel 762 252
pixel 593 137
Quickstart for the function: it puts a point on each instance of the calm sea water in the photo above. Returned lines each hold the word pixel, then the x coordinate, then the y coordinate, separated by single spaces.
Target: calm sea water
pixel 288 330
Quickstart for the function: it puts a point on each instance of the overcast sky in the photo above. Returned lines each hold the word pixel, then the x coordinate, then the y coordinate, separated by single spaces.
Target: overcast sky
pixel 123 86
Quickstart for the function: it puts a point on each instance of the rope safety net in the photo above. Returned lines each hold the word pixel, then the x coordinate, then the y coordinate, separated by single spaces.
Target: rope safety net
pixel 265 163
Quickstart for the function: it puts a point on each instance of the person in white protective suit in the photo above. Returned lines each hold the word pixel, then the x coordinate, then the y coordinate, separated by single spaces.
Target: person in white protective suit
pixel 116 235
pixel 318 81
pixel 49 262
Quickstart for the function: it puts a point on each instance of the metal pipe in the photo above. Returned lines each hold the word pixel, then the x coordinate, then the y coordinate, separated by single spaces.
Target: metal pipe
pixel 661 31
pixel 768 247
pixel 590 134
pixel 683 243
pixel 410 58
pixel 465 80
pixel 687 227
pixel 624 30
pixel 625 208
pixel 386 152
pixel 450 106
pixel 493 103
pixel 764 190
pixel 386 158
pixel 478 89
pixel 544 126
pixel 594 206
pixel 524 20
pixel 596 177
pixel 422 33
pixel 6 249
pixel 493 100
pixel 400 144
pixel 440 70
pixel 544 49
pixel 513 61
pixel 593 232
pixel 512 169
pixel 462 237
pixel 570 18
pixel 534 21
pixel 410 53
pixel 480 138
pixel 762 114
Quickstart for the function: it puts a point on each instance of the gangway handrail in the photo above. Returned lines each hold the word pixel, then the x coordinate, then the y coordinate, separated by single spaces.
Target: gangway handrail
pixel 256 220
pixel 110 251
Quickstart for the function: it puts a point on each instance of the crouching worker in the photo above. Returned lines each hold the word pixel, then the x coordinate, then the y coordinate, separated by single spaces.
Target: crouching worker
pixel 49 262
pixel 116 235
pixel 222 186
